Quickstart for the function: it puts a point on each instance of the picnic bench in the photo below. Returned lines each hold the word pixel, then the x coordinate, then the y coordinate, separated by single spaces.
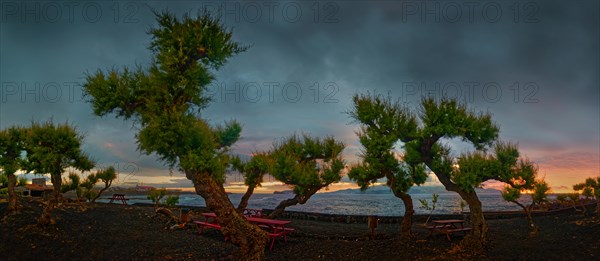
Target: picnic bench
pixel 118 197
pixel 274 228
pixel 448 227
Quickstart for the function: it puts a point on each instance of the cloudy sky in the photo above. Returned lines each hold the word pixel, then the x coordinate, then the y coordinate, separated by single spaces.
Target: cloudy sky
pixel 533 64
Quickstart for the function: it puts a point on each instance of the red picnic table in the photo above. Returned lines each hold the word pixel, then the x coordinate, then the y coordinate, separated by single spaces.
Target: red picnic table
pixel 275 227
pixel 448 227
pixel 118 197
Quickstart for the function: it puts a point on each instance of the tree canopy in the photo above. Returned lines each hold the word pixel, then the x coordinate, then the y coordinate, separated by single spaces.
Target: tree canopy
pixel 253 172
pixel 306 164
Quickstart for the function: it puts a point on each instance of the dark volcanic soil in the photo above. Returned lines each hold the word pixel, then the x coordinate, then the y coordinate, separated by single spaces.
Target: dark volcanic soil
pixel 116 232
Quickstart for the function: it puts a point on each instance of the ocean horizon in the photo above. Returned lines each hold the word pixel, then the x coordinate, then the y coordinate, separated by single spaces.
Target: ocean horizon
pixel 352 203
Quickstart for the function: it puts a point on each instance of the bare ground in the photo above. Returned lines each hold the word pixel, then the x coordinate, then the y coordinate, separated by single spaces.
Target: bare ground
pixel 117 232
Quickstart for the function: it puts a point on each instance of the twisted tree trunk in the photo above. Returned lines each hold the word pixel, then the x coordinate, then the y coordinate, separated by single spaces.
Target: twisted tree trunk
pixel 476 239
pixel 244 201
pixel 250 238
pixel 533 228
pixel 13 205
pixel 106 186
pixel 298 199
pixel 46 218
pixel 406 225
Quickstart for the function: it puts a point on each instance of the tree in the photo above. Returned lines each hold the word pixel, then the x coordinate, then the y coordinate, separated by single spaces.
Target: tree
pixel 157 195
pixel 448 119
pixel 50 150
pixel 382 125
pixel 165 101
pixel 307 165
pixel 539 194
pixel 85 188
pixel 107 176
pixel 591 186
pixel 253 172
pixel 11 147
pixel 425 205
pixel 72 183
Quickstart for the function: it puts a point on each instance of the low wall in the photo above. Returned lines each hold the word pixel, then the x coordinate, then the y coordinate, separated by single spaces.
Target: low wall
pixel 338 218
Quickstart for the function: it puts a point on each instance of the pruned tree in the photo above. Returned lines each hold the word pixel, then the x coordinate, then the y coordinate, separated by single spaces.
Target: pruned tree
pixel 591 186
pixel 106 176
pixel 307 165
pixel 423 143
pixel 50 150
pixel 253 172
pixel 383 122
pixel 539 194
pixel 12 144
pixel 165 101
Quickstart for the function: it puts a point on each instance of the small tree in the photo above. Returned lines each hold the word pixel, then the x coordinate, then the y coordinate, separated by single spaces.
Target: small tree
pixel 575 201
pixel 156 196
pixel 539 195
pixel 253 172
pixel 591 186
pixel 307 165
pixel 51 149
pixel 106 176
pixel 382 125
pixel 425 205
pixel 12 143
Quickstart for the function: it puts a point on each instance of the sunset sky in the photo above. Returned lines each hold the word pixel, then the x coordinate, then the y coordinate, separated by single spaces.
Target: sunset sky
pixel 534 65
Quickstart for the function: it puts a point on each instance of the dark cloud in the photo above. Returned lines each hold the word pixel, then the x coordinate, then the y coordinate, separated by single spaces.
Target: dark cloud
pixel 545 66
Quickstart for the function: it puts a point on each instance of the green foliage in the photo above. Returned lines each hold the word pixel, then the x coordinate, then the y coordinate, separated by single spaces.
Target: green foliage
pixel 172 200
pixel 12 143
pixel 540 192
pixel 425 204
pixel 383 123
pixel 156 195
pixel 72 183
pixel 21 182
pixel 307 164
pixel 503 165
pixel 53 148
pixel 106 176
pixel 561 198
pixel 253 170
pixel 166 97
pixel 590 187
pixel 573 197
pixel 3 181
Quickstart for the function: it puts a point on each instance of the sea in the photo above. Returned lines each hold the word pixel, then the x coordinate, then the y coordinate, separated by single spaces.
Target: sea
pixel 352 203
